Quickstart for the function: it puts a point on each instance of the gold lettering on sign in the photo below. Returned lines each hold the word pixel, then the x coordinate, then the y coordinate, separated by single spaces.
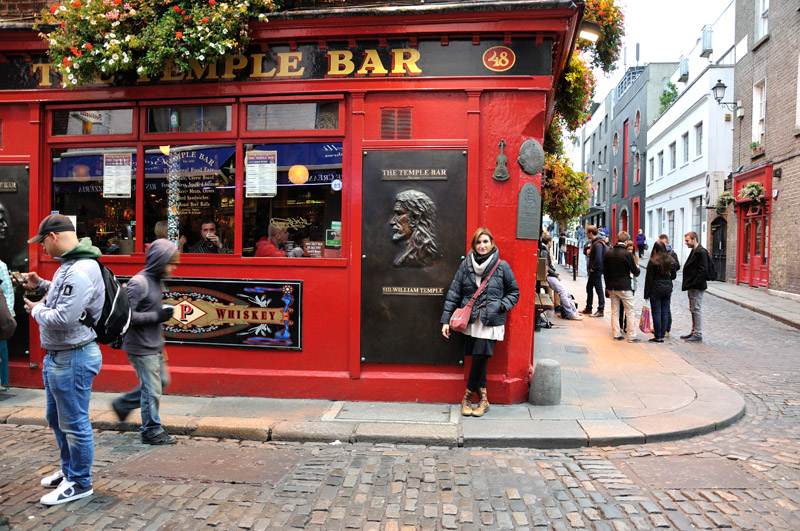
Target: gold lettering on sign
pixel 403 290
pixel 44 70
pixel 404 60
pixel 414 174
pixel 258 64
pixel 371 65
pixel 288 64
pixel 232 64
pixel 340 63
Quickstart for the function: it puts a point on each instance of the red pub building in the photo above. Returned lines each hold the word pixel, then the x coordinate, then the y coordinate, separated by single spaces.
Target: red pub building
pixel 355 132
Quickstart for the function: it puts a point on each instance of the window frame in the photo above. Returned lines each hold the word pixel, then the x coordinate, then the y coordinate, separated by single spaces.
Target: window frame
pixel 673 155
pixel 292 133
pixel 685 147
pixel 698 139
pixel 759 125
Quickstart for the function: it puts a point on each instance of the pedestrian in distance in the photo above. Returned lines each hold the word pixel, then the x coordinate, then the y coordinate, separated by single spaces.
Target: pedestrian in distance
pixel 623 319
pixel 661 271
pixel 72 357
pixel 144 342
pixel 594 283
pixel 554 279
pixel 8 292
pixel 562 247
pixel 487 321
pixel 695 276
pixel 641 242
pixel 670 251
pixel 618 266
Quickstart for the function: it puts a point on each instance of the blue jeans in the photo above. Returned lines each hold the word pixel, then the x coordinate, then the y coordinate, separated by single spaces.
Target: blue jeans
pixel 595 283
pixel 68 377
pixel 661 315
pixel 153 379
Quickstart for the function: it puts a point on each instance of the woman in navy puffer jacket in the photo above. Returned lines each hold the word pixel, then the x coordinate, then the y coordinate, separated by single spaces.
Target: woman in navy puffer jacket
pixel 487 321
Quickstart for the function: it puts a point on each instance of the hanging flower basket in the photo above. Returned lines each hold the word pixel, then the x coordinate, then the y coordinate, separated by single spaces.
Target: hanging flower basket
pixel 753 191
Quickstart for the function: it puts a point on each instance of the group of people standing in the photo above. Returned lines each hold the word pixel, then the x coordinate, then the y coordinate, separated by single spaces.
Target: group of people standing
pixel 618 266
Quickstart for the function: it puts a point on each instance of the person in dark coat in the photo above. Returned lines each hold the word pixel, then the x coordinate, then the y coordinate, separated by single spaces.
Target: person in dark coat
pixel 661 271
pixel 487 321
pixel 695 276
pixel 641 242
pixel 670 251
pixel 595 271
pixel 618 266
pixel 144 342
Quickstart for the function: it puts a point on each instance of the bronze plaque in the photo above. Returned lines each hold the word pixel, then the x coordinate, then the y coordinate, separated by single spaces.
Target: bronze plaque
pixel 529 213
pixel 413 238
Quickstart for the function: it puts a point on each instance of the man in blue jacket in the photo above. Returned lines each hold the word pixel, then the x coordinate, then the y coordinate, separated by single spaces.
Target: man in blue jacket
pixel 73 358
pixel 144 342
pixel 595 271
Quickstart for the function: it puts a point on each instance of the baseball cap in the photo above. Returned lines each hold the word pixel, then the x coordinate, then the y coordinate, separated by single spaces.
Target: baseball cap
pixel 53 223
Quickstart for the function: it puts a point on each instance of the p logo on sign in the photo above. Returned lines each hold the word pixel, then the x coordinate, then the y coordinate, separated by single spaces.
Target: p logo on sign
pixel 499 58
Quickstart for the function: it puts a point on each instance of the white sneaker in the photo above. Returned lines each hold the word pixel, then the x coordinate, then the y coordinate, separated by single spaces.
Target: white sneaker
pixel 66 492
pixel 53 480
pixel 575 317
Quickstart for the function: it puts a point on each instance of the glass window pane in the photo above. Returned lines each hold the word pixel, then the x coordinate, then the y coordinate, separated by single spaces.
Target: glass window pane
pixel 189 119
pixel 93 122
pixel 192 188
pixel 98 188
pixel 304 216
pixel 292 116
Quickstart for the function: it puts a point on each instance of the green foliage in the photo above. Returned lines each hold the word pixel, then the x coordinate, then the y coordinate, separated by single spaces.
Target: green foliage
pixel 99 38
pixel 754 191
pixel 554 139
pixel 609 16
pixel 669 95
pixel 565 192
pixel 724 199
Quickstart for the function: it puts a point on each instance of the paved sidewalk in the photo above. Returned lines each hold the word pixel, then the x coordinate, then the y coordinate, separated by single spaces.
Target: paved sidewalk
pixel 787 311
pixel 613 393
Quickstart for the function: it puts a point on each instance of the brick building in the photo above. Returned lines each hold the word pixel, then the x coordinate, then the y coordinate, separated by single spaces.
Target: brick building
pixel 766 146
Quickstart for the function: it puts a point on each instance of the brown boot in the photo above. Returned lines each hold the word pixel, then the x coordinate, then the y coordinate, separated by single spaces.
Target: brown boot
pixel 466 404
pixel 483 404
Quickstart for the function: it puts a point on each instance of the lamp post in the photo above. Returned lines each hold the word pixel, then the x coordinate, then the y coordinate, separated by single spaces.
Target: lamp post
pixel 718 91
pixel 589 31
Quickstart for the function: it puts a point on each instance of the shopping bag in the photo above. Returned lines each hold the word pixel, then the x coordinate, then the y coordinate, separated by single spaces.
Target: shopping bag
pixel 644 320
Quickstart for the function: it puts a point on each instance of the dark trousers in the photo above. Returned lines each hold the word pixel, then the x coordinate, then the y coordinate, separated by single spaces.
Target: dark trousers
pixel 661 315
pixel 595 283
pixel 477 373
pixel 641 250
pixel 623 322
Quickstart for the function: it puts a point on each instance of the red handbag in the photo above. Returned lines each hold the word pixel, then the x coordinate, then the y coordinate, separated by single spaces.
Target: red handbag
pixel 460 318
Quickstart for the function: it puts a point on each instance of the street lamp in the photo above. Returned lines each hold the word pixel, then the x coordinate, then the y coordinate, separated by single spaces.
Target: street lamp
pixel 634 148
pixel 589 31
pixel 718 91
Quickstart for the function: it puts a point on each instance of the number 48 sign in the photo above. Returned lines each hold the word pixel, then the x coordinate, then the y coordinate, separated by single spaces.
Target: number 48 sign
pixel 499 58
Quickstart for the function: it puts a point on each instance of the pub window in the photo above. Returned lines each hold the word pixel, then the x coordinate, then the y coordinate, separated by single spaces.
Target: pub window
pixel 292 116
pixel 189 119
pixel 93 122
pixel 191 187
pixel 293 197
pixel 395 124
pixel 96 188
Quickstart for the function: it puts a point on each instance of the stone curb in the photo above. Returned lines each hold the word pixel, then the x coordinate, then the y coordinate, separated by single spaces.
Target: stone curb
pixel 755 308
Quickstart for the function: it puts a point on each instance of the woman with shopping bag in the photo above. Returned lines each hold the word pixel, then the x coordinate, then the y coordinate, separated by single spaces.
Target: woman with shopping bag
pixel 661 271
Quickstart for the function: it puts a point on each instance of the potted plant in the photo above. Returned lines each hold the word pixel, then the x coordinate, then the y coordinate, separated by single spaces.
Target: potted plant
pixel 722 202
pixel 757 147
pixel 753 192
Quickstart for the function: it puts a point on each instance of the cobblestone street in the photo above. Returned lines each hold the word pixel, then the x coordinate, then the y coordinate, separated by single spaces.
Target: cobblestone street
pixel 743 477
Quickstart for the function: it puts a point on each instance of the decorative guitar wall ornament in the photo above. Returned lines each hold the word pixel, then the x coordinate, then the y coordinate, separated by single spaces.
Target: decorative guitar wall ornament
pixel 501 170
pixel 531 157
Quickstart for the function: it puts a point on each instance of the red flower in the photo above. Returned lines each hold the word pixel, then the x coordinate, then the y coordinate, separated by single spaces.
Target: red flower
pixel 212 2
pixel 54 8
pixel 178 35
pixel 185 18
pixel 67 62
pixel 183 12
pixel 118 2
pixel 205 19
pixel 63 24
pixel 76 4
pixel 87 46
pixel 176 9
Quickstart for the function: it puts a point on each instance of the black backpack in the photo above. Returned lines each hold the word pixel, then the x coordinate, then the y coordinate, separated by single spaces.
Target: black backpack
pixel 711 272
pixel 115 318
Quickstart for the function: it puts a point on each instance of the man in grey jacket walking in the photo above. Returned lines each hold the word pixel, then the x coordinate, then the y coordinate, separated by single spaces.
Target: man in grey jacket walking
pixel 144 342
pixel 73 358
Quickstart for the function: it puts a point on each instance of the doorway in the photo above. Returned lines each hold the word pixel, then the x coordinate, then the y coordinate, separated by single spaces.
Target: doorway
pixel 753 246
pixel 719 246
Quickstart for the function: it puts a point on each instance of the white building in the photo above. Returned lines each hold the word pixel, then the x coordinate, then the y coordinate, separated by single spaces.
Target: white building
pixel 689 147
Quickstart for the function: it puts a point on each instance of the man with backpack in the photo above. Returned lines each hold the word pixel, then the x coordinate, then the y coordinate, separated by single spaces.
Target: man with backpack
pixel 597 250
pixel 72 358
pixel 697 271
pixel 144 342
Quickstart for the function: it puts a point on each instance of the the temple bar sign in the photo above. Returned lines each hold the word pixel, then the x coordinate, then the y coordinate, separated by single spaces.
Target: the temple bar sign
pixel 490 57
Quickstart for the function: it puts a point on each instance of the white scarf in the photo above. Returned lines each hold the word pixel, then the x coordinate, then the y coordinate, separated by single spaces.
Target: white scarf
pixel 479 269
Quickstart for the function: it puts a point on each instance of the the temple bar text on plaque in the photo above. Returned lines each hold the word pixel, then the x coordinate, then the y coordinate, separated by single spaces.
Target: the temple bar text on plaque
pixel 420 174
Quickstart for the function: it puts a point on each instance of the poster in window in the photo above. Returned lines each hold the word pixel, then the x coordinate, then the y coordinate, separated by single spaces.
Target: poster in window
pixel 117 171
pixel 261 170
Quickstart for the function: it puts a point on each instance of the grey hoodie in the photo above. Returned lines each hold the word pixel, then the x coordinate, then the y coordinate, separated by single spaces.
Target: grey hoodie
pixel 145 335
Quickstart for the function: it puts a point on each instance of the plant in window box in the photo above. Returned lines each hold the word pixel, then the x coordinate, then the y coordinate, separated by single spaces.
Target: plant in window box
pixel 757 147
pixel 753 192
pixel 94 39
pixel 722 202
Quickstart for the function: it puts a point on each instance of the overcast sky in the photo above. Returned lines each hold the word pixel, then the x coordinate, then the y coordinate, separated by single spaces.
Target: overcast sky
pixel 664 29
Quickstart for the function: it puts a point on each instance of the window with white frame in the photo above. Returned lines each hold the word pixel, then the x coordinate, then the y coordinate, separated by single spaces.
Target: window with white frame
pixel 762 19
pixel 673 156
pixel 759 111
pixel 685 146
pixel 660 163
pixel 651 169
pixel 614 183
pixel 636 178
pixel 650 229
pixel 671 225
pixel 697 203
pixel 698 139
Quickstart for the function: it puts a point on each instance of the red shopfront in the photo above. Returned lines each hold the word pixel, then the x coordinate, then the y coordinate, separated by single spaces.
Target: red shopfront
pixel 753 224
pixel 336 128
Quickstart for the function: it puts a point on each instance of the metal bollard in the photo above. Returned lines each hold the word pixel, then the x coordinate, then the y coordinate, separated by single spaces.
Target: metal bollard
pixel 546 384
